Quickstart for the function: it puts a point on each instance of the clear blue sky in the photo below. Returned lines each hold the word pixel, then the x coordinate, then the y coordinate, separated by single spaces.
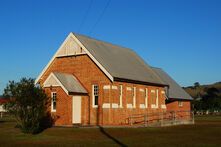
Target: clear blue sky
pixel 181 36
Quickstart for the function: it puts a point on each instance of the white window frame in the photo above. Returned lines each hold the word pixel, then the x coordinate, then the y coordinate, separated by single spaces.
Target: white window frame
pixel 52 104
pixel 157 98
pixel 180 103
pixel 121 96
pixel 93 96
pixel 134 97
pixel 146 98
pixel 130 106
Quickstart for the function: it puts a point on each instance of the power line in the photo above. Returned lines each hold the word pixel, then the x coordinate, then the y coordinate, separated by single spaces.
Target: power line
pixel 85 15
pixel 100 17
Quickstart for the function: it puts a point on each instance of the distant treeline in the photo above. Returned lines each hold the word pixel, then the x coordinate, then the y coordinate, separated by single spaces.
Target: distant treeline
pixel 207 98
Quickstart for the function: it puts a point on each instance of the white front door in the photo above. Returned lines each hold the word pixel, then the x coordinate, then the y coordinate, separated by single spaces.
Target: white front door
pixel 76 109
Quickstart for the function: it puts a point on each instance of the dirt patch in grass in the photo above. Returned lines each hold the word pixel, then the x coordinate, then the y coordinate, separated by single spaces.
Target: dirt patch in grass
pixel 206 132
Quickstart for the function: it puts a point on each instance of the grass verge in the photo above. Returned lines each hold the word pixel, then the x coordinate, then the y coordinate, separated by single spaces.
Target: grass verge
pixel 206 132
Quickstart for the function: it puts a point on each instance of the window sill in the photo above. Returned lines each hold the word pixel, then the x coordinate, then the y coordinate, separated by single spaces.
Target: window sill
pixel 130 106
pixel 163 106
pixel 94 106
pixel 114 105
pixel 106 105
pixel 142 106
pixel 154 106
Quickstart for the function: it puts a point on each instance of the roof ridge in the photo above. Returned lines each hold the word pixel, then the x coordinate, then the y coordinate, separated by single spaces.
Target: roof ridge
pixel 156 67
pixel 95 39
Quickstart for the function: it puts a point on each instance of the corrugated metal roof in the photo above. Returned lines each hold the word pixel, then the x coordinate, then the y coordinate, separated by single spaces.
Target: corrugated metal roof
pixel 175 91
pixel 70 82
pixel 120 62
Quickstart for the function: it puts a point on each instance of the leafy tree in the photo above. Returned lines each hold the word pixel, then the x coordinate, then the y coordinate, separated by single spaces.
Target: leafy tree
pixel 28 103
pixel 206 98
pixel 196 84
pixel 212 100
pixel 196 103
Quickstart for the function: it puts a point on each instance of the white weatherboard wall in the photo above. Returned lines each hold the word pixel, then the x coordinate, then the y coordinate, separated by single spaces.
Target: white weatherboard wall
pixel 70 48
pixel 51 81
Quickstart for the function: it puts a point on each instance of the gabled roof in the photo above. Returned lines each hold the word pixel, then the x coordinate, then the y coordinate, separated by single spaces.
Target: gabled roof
pixel 116 62
pixel 120 62
pixel 175 91
pixel 68 82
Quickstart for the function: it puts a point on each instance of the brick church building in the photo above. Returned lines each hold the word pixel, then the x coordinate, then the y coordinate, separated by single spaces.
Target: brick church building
pixel 92 82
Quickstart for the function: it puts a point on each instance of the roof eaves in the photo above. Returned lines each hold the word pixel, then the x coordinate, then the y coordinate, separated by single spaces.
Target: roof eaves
pixel 139 82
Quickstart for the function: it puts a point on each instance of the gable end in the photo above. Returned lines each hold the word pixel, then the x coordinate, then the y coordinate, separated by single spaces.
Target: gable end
pixel 72 46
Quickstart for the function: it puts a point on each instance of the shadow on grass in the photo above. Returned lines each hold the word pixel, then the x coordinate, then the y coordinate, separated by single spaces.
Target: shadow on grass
pixel 2 121
pixel 111 137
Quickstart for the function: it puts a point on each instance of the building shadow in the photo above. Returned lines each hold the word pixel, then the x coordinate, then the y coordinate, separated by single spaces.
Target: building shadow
pixel 111 137
pixel 2 121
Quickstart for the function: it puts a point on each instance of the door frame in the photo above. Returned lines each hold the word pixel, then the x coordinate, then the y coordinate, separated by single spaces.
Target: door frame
pixel 76 109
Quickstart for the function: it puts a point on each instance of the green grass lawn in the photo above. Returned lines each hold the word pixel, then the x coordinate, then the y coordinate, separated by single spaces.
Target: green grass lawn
pixel 206 132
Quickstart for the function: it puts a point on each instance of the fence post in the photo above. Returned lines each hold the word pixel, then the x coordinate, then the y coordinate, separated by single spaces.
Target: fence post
pixel 131 123
pixel 145 120
pixel 172 116
pixel 175 117
pixel 162 115
pixel 193 119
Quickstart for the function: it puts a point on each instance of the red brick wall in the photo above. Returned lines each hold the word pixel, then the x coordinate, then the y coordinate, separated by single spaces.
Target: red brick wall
pixel 173 106
pixel 63 114
pixel 106 95
pixel 88 74
pixel 182 112
pixel 115 116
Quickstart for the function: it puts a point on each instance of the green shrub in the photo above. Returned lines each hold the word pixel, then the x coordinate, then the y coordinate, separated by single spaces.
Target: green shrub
pixel 28 103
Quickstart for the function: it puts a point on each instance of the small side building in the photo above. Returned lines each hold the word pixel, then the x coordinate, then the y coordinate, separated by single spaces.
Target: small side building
pixel 178 100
